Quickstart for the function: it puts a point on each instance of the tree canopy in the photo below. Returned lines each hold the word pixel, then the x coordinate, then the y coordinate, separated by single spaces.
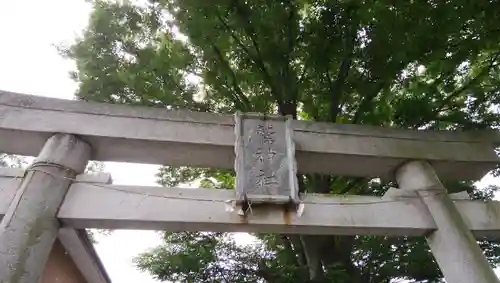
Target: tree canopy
pixel 13 161
pixel 404 64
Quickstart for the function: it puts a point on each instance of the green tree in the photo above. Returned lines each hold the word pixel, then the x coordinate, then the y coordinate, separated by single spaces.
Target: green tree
pixel 13 161
pixel 407 64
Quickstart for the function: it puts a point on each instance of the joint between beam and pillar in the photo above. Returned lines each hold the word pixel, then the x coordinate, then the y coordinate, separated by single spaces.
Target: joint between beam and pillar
pixel 452 244
pixel 29 227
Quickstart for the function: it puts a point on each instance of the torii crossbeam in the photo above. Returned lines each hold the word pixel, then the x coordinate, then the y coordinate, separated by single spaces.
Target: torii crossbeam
pixel 66 134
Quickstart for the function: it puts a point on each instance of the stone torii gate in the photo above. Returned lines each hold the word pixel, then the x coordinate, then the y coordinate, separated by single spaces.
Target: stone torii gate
pixel 266 153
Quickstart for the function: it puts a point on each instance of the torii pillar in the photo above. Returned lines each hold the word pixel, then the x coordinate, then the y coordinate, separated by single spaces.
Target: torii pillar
pixel 454 247
pixel 29 227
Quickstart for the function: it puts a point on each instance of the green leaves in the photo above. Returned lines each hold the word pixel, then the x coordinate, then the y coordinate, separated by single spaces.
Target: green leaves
pixel 12 161
pixel 209 178
pixel 201 257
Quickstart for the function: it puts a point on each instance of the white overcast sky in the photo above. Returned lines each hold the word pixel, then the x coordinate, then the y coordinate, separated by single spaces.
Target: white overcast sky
pixel 29 63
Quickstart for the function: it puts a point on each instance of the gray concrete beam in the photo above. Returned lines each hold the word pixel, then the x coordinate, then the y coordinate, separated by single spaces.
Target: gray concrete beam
pixel 126 207
pixel 77 243
pixel 82 253
pixel 177 209
pixel 159 136
pixel 174 209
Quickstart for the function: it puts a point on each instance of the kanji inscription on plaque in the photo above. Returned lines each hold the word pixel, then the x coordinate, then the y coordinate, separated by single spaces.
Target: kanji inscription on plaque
pixel 265 159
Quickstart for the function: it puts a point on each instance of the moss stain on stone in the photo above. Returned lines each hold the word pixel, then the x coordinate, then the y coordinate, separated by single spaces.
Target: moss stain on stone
pixel 37 229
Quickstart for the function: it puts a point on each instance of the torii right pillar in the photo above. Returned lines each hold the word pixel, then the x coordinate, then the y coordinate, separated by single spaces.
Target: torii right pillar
pixel 454 247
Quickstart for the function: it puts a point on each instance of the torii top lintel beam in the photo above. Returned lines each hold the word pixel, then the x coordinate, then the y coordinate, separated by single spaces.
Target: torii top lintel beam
pixel 183 138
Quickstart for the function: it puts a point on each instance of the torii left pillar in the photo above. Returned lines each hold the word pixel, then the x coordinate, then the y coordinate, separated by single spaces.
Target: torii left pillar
pixel 29 228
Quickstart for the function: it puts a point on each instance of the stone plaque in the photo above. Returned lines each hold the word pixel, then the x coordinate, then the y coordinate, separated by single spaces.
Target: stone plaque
pixel 265 159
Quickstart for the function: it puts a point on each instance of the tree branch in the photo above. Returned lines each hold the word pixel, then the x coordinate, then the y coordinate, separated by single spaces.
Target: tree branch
pixel 367 99
pixel 292 243
pixel 177 85
pixel 240 99
pixel 471 82
pixel 337 250
pixel 291 38
pixel 299 249
pixel 264 272
pixel 337 87
pixel 289 77
pixel 238 41
pixel 457 92
pixel 258 59
pixel 303 74
pixel 312 252
pixel 352 184
pixel 220 270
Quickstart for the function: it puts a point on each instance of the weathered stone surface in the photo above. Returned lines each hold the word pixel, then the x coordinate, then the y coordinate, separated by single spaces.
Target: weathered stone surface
pixel 453 245
pixel 182 138
pixel 29 227
pixel 265 159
